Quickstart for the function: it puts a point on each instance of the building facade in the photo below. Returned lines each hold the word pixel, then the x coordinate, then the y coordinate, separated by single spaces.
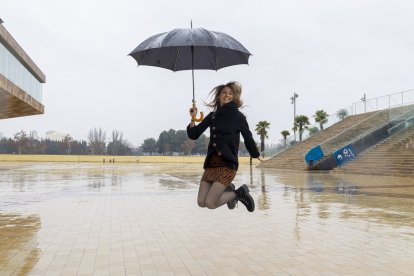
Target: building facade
pixel 20 80
pixel 55 136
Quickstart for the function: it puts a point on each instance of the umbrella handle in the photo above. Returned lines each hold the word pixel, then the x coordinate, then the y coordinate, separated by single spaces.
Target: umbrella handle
pixel 193 118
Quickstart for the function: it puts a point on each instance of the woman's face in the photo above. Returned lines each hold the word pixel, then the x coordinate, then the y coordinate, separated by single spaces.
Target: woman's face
pixel 226 95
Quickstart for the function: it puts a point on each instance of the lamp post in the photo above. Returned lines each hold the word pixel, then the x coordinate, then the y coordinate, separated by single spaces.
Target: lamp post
pixel 293 98
pixel 364 99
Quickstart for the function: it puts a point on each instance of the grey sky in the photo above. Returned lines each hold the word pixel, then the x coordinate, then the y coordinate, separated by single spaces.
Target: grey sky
pixel 329 52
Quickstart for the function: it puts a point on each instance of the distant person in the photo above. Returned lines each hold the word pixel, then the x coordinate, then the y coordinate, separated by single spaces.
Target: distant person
pixel 226 123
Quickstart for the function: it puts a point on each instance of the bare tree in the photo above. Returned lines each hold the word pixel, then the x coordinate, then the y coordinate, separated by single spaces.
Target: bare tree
pixel 188 146
pixel 31 145
pixel 42 146
pixel 97 141
pixel 21 140
pixel 67 141
pixel 117 142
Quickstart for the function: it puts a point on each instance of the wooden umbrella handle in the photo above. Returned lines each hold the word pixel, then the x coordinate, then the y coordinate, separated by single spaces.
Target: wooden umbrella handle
pixel 194 118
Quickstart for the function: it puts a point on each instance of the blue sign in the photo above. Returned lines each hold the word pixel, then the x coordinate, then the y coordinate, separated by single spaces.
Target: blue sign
pixel 314 155
pixel 344 154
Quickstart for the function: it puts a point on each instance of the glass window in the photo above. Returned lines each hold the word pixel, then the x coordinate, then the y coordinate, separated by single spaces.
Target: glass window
pixel 13 70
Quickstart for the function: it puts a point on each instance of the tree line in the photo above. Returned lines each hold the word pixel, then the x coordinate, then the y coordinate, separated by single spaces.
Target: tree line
pixel 176 142
pixel 171 142
pixel 21 143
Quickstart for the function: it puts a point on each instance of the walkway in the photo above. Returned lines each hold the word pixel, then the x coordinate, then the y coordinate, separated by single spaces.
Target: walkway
pixel 142 219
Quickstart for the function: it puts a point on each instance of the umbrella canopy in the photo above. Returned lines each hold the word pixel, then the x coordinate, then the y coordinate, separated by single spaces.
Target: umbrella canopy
pixel 187 49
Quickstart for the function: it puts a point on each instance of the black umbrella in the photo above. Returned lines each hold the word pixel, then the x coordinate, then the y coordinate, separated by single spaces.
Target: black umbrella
pixel 189 49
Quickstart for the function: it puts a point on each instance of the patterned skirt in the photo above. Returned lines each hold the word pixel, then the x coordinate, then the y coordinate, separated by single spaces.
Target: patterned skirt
pixel 216 171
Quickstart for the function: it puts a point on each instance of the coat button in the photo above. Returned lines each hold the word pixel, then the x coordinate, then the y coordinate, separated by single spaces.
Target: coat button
pixel 214 128
pixel 213 117
pixel 219 153
pixel 214 136
pixel 214 144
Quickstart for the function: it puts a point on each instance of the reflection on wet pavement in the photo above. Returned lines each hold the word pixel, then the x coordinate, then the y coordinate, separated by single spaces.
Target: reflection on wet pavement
pixel 118 219
pixel 18 250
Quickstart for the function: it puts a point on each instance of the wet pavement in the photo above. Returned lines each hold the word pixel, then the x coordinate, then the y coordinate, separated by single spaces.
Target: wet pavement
pixel 142 219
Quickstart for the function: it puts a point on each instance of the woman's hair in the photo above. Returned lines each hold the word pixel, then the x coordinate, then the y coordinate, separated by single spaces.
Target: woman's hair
pixel 215 93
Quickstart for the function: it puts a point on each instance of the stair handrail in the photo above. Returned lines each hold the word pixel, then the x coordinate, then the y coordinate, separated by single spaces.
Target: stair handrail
pixel 368 132
pixel 376 113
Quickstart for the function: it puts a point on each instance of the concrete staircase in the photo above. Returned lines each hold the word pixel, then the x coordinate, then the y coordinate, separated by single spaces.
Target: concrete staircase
pixel 293 158
pixel 364 134
pixel 394 156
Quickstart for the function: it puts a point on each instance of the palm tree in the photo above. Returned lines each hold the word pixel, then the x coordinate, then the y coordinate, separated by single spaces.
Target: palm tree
pixel 300 124
pixel 321 117
pixel 342 113
pixel 261 129
pixel 285 133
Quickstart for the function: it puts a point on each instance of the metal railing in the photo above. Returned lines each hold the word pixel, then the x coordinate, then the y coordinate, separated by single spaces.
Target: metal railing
pixel 400 120
pixel 384 102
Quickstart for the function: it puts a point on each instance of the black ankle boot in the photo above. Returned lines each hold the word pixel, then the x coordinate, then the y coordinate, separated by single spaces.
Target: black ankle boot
pixel 242 194
pixel 232 203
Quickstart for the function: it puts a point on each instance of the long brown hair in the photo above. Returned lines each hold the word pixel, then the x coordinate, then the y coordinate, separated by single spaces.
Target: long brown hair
pixel 215 93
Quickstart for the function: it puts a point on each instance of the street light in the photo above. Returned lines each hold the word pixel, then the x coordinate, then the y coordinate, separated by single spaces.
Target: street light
pixel 364 99
pixel 293 98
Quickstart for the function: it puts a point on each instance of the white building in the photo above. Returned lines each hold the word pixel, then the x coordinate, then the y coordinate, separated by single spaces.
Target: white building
pixel 55 136
pixel 33 135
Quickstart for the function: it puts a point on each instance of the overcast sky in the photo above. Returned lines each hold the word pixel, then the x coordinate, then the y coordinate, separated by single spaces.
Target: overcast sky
pixel 329 52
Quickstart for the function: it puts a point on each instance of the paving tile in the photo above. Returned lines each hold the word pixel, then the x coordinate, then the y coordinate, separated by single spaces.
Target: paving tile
pixel 151 225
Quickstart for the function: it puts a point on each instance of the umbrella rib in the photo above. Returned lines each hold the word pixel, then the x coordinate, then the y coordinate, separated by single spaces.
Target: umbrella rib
pixel 143 56
pixel 176 58
pixel 212 58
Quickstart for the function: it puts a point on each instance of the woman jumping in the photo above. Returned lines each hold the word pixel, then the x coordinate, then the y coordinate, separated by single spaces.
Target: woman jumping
pixel 226 123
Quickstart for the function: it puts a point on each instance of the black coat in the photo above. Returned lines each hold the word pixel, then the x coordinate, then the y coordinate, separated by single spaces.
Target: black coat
pixel 225 124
